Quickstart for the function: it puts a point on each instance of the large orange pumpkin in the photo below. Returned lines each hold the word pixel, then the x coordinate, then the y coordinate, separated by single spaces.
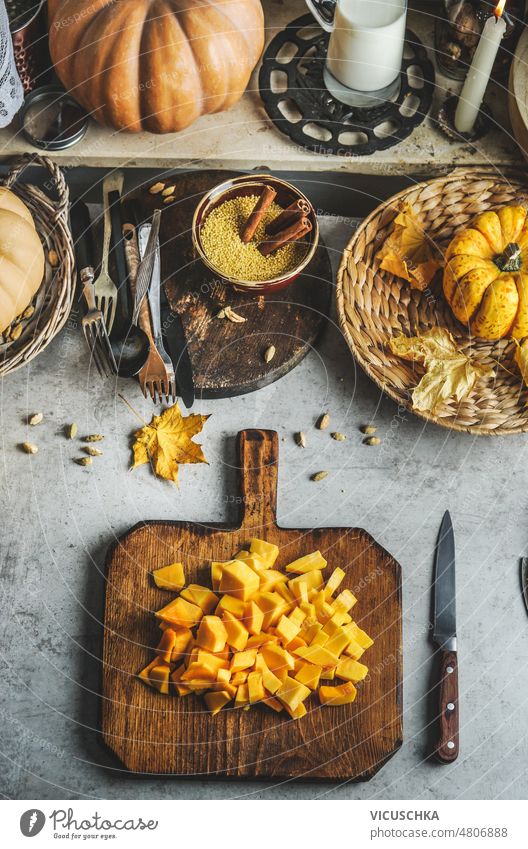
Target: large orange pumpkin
pixel 21 258
pixel 155 65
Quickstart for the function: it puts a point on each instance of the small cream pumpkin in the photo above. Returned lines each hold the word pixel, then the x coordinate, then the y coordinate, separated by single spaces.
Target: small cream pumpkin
pixel 21 258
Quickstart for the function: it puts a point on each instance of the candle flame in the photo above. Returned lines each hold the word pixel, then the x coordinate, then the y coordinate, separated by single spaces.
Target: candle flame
pixel 499 9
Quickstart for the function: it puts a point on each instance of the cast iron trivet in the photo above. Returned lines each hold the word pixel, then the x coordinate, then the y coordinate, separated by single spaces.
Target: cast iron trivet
pixel 302 108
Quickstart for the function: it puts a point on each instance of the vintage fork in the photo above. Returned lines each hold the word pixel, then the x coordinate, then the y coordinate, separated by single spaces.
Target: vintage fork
pixel 154 372
pixel 160 381
pixel 93 324
pixel 104 287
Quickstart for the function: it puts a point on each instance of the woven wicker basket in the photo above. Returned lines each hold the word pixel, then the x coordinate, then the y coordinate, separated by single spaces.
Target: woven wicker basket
pixel 53 301
pixel 373 305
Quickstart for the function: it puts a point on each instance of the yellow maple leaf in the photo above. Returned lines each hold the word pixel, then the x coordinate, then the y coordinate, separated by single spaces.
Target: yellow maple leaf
pixel 407 251
pixel 449 373
pixel 166 442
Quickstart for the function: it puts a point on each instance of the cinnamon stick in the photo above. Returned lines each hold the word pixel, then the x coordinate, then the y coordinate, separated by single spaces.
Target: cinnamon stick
pixel 265 200
pixel 299 207
pixel 295 231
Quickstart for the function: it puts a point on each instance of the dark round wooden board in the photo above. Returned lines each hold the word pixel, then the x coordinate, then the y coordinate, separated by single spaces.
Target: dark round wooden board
pixel 228 358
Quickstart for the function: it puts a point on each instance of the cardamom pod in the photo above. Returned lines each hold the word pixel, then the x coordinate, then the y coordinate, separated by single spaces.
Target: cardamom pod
pixel 29 448
pixel 372 440
pixel 83 461
pixel 93 452
pixel 28 312
pixel 15 332
pixel 156 188
pixel 168 191
pixel 71 431
pixel 220 314
pixel 300 439
pixel 339 437
pixel 35 419
pixel 169 199
pixel 368 429
pixel 234 316
pixel 323 421
pixel 94 437
pixel 319 476
pixel 269 353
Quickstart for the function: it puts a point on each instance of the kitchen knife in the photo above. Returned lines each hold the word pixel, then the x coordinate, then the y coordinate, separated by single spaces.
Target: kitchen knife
pixel 524 580
pixel 174 336
pixel 444 635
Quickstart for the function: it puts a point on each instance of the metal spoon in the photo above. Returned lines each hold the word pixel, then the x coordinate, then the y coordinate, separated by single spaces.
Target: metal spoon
pixel 130 344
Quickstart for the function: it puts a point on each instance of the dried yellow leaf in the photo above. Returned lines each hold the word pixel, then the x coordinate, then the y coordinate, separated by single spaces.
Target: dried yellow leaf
pixel 449 373
pixel 166 442
pixel 408 252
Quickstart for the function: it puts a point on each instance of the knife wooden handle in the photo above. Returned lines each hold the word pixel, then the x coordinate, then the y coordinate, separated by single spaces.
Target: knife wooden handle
pixel 447 746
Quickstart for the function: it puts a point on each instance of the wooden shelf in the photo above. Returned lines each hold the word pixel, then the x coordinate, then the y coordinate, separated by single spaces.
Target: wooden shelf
pixel 244 138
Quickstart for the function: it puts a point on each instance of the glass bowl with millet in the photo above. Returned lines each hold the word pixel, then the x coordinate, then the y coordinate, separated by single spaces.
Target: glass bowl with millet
pixel 256 232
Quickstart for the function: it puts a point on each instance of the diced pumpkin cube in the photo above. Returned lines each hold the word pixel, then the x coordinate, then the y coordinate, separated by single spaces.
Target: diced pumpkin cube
pixel 301 593
pixel 297 616
pixel 253 618
pixel 278 660
pixel 343 694
pixel 182 641
pixel 282 590
pixel 271 682
pixel 212 634
pixel 334 581
pixel 243 660
pixel 309 675
pixel 287 630
pixel 237 635
pixel 315 560
pixel 181 613
pixel 216 573
pixel 328 673
pixel 299 711
pixel 216 701
pixel 267 550
pixel 235 606
pixel 296 643
pixel 159 677
pixel 345 601
pixel 270 578
pixel 292 693
pixel 165 646
pixel 175 681
pixel 255 562
pixel 257 640
pixel 241 555
pixel 311 580
pixel 170 577
pixel 202 596
pixel 255 687
pixel 211 661
pixel 145 673
pixel 354 650
pixel 223 675
pixel 238 678
pixel 222 686
pixel 272 606
pixel 199 671
pixel 308 609
pixel 338 641
pixel 242 696
pixel 351 670
pixel 273 703
pixel 310 631
pixel 239 580
pixel 359 636
pixel 324 612
pixel 319 655
pixel 319 639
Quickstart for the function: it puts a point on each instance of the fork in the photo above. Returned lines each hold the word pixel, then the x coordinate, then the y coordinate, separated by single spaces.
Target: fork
pixel 104 287
pixel 154 373
pixel 161 380
pixel 93 324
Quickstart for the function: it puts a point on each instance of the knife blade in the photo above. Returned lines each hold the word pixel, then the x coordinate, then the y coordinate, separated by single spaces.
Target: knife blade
pixel 444 635
pixel 174 335
pixel 524 580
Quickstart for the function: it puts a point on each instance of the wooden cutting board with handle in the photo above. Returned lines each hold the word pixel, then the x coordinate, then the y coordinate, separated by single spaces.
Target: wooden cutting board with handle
pixel 156 734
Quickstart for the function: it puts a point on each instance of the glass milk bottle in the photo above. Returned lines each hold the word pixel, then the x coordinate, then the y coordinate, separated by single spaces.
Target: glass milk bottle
pixel 365 50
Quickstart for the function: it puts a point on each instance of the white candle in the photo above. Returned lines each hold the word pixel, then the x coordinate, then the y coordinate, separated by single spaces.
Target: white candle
pixel 474 89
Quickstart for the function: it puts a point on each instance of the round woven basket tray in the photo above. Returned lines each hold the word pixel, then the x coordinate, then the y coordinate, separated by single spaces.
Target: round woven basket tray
pixel 28 336
pixel 374 306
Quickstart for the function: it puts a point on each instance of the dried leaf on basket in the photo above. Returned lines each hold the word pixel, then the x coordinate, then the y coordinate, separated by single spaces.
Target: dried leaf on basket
pixel 407 252
pixel 449 373
pixel 521 358
pixel 166 443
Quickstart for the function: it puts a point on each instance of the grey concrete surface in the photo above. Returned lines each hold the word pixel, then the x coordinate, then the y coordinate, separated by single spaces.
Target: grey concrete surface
pixel 58 519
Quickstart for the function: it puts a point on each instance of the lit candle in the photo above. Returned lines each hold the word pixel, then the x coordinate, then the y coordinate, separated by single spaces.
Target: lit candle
pixel 479 73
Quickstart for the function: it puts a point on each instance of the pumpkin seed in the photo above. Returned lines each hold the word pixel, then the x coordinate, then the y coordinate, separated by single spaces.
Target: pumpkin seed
pixel 53 258
pixel 319 476
pixel 269 353
pixel 368 429
pixel 156 188
pixel 94 437
pixel 15 332
pixel 83 461
pixel 372 440
pixel 28 312
pixel 71 431
pixel 300 439
pixel 339 437
pixel 323 421
pixel 93 452
pixel 169 199
pixel 35 419
pixel 29 448
pixel 168 191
